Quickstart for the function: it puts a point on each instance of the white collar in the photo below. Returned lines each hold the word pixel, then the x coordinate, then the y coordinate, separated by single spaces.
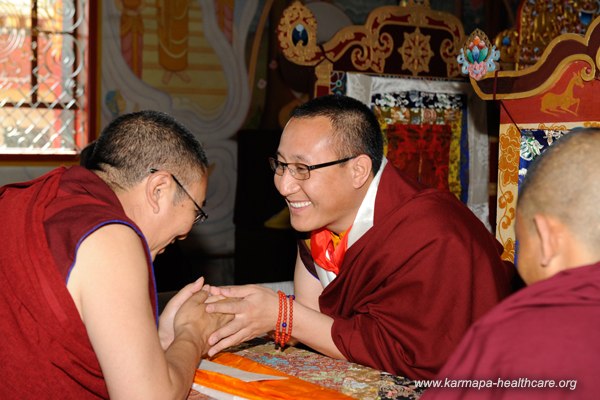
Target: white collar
pixel 362 222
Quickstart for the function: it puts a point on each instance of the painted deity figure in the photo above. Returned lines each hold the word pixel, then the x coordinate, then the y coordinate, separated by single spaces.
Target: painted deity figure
pixel 173 34
pixel 132 33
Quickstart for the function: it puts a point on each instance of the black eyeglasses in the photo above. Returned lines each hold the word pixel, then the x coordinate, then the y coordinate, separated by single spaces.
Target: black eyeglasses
pixel 301 171
pixel 201 216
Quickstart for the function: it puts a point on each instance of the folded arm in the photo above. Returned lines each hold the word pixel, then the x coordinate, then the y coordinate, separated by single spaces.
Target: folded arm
pixel 109 284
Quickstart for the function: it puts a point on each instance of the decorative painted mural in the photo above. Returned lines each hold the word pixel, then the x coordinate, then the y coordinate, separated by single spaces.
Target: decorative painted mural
pixel 187 58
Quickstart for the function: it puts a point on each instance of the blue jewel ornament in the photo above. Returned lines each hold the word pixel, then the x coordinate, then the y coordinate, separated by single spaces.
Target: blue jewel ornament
pixel 299 34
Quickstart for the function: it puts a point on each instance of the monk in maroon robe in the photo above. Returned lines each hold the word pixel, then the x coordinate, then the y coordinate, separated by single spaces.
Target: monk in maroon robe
pixel 394 273
pixel 542 342
pixel 78 317
pixel 50 315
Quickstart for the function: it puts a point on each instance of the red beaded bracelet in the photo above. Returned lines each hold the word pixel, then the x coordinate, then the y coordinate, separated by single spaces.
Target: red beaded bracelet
pixel 278 324
pixel 289 332
pixel 283 328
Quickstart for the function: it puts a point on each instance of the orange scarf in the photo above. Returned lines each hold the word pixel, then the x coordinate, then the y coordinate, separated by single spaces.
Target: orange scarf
pixel 292 388
pixel 328 249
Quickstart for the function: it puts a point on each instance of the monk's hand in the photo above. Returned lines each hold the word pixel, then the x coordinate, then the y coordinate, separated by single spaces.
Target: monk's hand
pixel 255 313
pixel 215 298
pixel 213 290
pixel 194 323
pixel 165 323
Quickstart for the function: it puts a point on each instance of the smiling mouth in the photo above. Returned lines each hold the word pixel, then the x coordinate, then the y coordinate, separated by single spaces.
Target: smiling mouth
pixel 299 204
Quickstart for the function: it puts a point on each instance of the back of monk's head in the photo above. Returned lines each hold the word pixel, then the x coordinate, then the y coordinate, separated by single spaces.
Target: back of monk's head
pixel 134 143
pixel 564 182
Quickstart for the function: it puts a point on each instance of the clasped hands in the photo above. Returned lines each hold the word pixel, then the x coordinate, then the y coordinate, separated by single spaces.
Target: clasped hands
pixel 254 309
pixel 222 316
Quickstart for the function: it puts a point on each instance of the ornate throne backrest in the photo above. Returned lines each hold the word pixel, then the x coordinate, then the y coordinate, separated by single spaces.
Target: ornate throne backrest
pixel 401 41
pixel 402 63
pixel 540 104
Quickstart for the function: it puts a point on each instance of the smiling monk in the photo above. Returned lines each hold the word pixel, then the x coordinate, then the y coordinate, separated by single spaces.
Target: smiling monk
pixel 394 272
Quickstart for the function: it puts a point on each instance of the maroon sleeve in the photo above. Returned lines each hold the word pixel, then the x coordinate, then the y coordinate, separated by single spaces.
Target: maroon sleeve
pixel 547 331
pixel 413 286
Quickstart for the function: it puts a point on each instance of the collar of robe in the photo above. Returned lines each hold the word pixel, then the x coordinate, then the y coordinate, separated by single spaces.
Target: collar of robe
pixel 328 249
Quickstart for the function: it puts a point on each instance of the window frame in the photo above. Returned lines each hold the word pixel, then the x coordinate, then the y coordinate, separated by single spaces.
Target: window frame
pixel 91 92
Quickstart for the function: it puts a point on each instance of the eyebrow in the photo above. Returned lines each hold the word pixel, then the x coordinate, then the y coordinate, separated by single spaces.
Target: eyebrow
pixel 296 157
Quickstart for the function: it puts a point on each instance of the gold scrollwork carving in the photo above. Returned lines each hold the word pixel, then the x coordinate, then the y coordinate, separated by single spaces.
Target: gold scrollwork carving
pixel 371 53
pixel 509 250
pixel 368 45
pixel 505 202
pixel 303 49
pixel 597 63
pixel 508 179
pixel 508 161
pixel 448 53
pixel 505 220
pixel 323 73
pixel 553 127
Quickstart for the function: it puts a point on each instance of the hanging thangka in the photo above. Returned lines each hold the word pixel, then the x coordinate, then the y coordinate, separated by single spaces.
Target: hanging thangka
pixel 434 131
pixel 425 137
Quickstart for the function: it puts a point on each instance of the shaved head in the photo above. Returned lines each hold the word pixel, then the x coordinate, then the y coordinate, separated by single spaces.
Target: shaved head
pixel 355 127
pixel 564 182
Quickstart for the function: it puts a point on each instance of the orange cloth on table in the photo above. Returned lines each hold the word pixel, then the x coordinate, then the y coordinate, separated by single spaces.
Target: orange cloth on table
pixel 328 249
pixel 291 388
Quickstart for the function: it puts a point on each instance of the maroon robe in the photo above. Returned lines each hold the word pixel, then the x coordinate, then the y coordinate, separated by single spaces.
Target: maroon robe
pixel 46 352
pixel 547 331
pixel 411 286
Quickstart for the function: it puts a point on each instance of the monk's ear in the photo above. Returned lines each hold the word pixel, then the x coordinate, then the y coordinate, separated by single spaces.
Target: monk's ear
pixel 361 170
pixel 156 189
pixel 549 234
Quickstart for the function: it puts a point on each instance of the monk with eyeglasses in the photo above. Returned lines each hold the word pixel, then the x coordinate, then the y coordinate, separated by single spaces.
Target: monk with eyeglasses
pixel 392 273
pixel 78 306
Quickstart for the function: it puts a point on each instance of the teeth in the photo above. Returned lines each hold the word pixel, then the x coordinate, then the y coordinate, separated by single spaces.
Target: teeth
pixel 299 204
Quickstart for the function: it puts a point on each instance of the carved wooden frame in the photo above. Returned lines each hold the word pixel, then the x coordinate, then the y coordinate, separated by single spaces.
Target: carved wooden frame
pixel 565 55
pixel 368 48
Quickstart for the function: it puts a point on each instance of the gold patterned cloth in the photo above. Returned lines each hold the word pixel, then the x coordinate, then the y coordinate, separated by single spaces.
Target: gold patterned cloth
pixel 341 376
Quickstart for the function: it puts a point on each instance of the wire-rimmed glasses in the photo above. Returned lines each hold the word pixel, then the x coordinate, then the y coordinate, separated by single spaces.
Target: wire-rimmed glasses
pixel 201 216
